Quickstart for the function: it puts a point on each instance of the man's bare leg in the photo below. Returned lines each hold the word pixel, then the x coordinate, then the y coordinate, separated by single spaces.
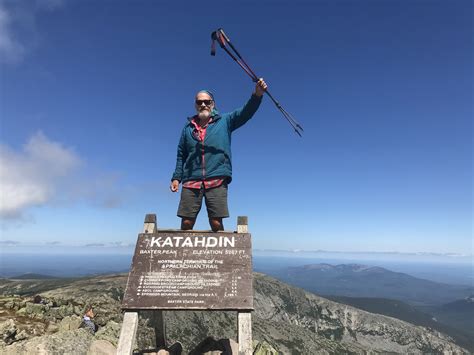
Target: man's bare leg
pixel 187 223
pixel 216 224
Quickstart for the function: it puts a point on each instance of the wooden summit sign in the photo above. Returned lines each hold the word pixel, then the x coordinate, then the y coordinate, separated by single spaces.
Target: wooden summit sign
pixel 174 269
pixel 179 270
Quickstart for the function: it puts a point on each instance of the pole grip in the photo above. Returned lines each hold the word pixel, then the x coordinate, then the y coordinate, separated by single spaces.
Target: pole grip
pixel 223 34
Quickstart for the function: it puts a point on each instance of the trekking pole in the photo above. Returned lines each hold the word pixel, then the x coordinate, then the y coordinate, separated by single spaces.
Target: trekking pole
pixel 222 39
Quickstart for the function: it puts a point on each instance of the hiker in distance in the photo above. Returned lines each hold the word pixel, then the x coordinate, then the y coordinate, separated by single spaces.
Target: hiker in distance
pixel 203 163
pixel 87 321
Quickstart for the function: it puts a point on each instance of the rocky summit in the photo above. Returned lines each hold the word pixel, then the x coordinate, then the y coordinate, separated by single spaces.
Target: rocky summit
pixel 287 320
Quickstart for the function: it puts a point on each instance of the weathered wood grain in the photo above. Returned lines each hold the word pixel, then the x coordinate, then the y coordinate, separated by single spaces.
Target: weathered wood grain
pixel 128 333
pixel 245 333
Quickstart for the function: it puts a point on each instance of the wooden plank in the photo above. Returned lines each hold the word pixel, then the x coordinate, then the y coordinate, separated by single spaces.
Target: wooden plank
pixel 150 225
pixel 150 218
pixel 128 333
pixel 157 317
pixel 158 323
pixel 244 318
pixel 149 228
pixel 245 333
pixel 242 224
pixel 130 319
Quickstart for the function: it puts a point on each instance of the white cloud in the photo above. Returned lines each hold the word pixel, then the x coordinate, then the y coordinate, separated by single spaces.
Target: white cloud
pixel 11 50
pixel 30 177
pixel 109 245
pixel 9 243
pixel 121 244
pixel 46 173
pixel 18 26
pixel 91 245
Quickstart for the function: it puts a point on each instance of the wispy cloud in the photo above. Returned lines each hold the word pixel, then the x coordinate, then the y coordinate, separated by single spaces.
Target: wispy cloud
pixel 45 172
pixel 11 50
pixel 101 190
pixel 18 29
pixel 95 245
pixel 121 244
pixel 110 245
pixel 29 178
pixel 9 243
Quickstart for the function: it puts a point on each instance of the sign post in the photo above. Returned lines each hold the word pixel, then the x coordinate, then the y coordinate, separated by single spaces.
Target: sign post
pixel 189 270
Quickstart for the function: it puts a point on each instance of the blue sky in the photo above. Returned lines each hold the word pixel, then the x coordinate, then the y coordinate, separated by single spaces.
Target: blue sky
pixel 94 95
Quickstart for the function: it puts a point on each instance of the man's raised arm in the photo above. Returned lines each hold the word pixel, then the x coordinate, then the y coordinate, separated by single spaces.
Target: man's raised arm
pixel 240 116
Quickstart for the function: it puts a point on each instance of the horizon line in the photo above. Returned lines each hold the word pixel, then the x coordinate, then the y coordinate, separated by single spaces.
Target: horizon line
pixel 9 245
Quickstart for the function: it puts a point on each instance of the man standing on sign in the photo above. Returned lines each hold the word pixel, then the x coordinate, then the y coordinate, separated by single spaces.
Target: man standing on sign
pixel 203 163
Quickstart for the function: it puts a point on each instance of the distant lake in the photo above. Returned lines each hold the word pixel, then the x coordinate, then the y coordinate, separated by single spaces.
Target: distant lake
pixel 62 265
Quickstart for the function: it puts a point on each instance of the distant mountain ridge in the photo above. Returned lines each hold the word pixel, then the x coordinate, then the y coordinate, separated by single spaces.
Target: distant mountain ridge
pixel 33 276
pixel 344 267
pixel 464 305
pixel 356 280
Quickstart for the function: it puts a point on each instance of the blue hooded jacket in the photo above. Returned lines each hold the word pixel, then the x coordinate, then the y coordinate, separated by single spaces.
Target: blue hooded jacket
pixel 211 158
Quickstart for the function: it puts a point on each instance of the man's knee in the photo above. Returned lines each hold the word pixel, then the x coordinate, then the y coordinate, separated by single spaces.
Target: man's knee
pixel 187 223
pixel 216 224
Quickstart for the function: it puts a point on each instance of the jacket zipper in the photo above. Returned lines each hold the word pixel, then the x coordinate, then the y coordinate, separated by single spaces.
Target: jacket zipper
pixel 203 160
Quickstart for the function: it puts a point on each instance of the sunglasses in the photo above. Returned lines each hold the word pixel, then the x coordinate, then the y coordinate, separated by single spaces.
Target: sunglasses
pixel 205 102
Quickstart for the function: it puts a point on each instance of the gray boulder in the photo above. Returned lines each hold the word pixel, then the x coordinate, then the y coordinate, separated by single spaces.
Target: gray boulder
pixel 69 323
pixel 110 332
pixel 36 311
pixel 263 348
pixel 72 342
pixel 8 330
pixel 22 335
pixel 22 312
pixel 102 347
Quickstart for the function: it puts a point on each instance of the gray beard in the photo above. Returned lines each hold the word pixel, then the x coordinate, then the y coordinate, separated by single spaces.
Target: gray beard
pixel 204 115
